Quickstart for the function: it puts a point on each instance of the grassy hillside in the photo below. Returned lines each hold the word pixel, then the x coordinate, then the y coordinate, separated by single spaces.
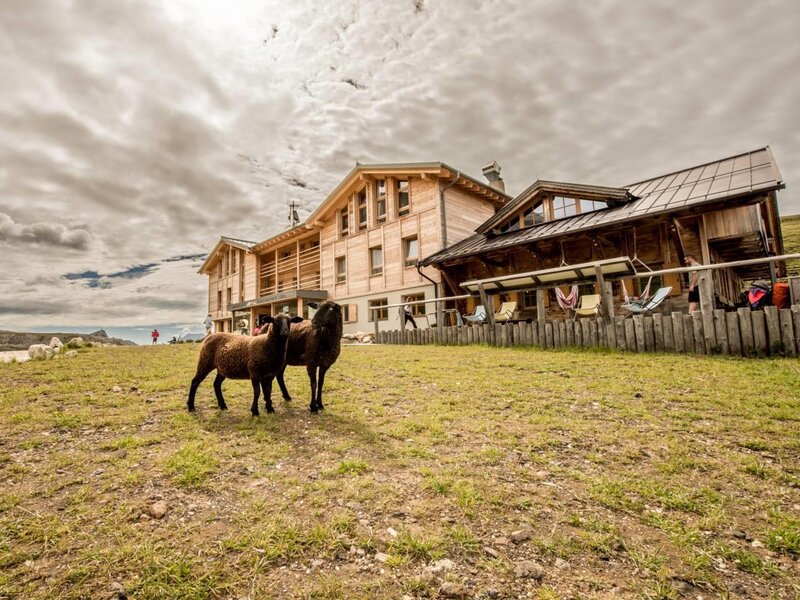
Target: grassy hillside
pixel 790 227
pixel 433 472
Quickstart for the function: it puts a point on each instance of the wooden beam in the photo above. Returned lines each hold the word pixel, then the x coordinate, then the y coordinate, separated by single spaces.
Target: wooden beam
pixel 489 308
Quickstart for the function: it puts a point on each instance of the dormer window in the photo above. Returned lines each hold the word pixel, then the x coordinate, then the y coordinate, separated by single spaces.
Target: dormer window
pixel 403 197
pixel 344 222
pixel 563 207
pixel 592 205
pixel 362 209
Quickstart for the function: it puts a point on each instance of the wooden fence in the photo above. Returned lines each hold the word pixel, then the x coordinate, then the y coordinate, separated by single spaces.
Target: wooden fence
pixel 771 332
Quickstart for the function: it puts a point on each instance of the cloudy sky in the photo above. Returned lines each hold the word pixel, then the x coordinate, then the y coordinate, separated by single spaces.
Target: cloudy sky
pixel 133 133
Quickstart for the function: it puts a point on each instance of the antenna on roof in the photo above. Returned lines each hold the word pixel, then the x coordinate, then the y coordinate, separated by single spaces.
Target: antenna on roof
pixel 294 218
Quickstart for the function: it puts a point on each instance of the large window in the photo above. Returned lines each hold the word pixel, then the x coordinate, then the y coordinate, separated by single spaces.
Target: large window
pixel 230 296
pixel 350 313
pixel 380 201
pixel 410 251
pixel 592 205
pixel 380 314
pixel 528 299
pixel 341 269
pixel 403 197
pixel 533 216
pixel 219 299
pixel 376 260
pixel 417 310
pixel 362 209
pixel 563 207
pixel 344 222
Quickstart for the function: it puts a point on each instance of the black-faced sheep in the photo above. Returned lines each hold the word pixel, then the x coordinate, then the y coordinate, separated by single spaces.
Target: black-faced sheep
pixel 257 358
pixel 315 344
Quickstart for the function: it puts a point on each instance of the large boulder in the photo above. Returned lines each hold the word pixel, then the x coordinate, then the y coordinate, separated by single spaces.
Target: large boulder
pixel 40 352
pixel 75 342
pixel 56 343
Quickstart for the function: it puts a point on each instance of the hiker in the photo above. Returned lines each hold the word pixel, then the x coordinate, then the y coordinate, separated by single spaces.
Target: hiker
pixel 154 334
pixel 244 326
pixel 209 324
pixel 408 316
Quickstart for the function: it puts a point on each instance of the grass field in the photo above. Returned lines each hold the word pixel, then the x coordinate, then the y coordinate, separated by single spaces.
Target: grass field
pixel 433 472
pixel 790 227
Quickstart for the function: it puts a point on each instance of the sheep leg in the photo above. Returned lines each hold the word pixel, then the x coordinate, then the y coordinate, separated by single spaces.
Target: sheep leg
pixel 198 379
pixel 321 380
pixel 266 385
pixel 312 378
pixel 256 391
pixel 284 391
pixel 218 391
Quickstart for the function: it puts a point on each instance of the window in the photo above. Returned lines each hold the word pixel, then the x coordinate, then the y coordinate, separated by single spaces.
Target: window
pixel 380 201
pixel 341 269
pixel 528 299
pixel 410 251
pixel 376 260
pixel 533 216
pixel 563 207
pixel 230 296
pixel 350 313
pixel 592 205
pixel 219 297
pixel 362 209
pixel 381 314
pixel 344 222
pixel 512 225
pixel 403 197
pixel 417 310
pixel 219 269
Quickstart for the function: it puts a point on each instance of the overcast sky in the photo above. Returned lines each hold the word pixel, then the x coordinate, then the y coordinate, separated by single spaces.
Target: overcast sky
pixel 133 133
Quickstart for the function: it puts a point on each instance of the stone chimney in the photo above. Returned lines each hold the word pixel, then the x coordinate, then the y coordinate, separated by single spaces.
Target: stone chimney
pixel 492 174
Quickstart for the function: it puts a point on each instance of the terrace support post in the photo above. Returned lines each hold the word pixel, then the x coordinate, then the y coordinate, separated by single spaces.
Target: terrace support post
pixel 489 308
pixel 541 312
pixel 375 322
pixel 606 297
pixel 440 308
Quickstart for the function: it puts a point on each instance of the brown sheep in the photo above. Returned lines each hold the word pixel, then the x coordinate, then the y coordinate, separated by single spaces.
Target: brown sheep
pixel 257 358
pixel 315 344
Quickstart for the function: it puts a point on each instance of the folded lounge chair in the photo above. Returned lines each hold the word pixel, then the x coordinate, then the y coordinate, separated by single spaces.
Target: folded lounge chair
pixel 635 307
pixel 589 306
pixel 506 312
pixel 478 316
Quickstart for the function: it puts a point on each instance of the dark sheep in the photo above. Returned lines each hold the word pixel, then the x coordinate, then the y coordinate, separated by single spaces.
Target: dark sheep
pixel 234 356
pixel 315 344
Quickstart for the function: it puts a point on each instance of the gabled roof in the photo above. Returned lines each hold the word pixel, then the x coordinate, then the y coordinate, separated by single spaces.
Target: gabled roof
pixel 437 169
pixel 728 178
pixel 614 196
pixel 225 241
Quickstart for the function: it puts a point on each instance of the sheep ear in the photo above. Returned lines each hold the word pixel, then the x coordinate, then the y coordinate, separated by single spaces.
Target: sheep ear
pixel 297 319
pixel 268 319
pixel 313 305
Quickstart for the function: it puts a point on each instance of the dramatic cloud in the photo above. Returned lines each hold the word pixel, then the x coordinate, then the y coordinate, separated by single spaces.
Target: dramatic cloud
pixel 137 130
pixel 46 234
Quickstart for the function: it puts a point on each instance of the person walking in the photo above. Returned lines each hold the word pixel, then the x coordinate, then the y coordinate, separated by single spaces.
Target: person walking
pixel 694 280
pixel 154 334
pixel 209 324
pixel 409 316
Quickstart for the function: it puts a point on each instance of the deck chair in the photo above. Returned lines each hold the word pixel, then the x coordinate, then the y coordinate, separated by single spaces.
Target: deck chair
pixel 635 307
pixel 479 316
pixel 589 306
pixel 506 312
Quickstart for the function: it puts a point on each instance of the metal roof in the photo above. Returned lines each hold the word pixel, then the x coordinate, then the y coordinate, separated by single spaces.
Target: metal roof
pixel 236 243
pixel 730 177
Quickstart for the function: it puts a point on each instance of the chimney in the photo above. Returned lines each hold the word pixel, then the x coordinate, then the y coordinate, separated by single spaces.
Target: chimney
pixel 492 174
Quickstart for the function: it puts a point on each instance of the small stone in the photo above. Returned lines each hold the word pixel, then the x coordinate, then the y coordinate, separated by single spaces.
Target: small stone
pixel 492 593
pixel 541 475
pixel 120 591
pixel 529 570
pixel 391 531
pixel 158 509
pixel 561 564
pixel 756 544
pixel 380 556
pixel 444 564
pixel 521 535
pixel 71 354
pixel 453 590
pixel 638 395
pixel 491 552
pixel 502 541
pixel 144 517
pixel 116 389
pixel 317 563
pixel 738 533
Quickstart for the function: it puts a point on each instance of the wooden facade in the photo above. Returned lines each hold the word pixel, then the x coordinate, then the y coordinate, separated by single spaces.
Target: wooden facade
pixel 360 247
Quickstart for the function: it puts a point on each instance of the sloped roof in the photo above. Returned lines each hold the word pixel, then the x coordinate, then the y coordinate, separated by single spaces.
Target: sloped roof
pixel 225 241
pixel 731 177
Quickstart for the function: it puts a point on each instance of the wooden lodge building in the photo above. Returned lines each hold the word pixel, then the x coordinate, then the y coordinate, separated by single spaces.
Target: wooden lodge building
pixel 721 211
pixel 360 247
pixel 395 233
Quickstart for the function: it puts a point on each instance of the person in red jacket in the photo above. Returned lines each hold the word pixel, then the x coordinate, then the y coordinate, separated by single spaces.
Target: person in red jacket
pixel 155 335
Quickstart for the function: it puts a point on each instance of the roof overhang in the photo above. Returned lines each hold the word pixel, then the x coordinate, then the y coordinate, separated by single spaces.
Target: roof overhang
pixel 287 235
pixel 611 268
pixel 280 297
pixel 224 241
